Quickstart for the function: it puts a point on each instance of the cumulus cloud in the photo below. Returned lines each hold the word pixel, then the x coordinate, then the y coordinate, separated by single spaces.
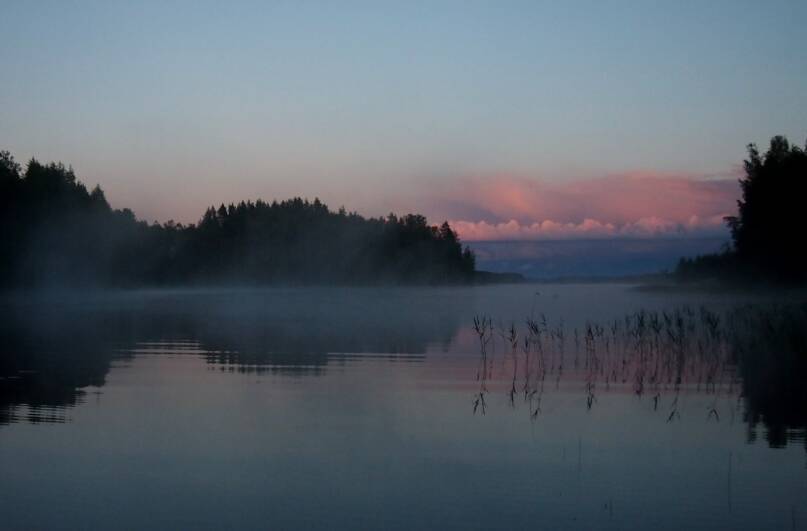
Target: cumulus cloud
pixel 588 228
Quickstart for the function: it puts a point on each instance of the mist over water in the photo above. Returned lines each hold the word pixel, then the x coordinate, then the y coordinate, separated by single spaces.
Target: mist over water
pixel 344 408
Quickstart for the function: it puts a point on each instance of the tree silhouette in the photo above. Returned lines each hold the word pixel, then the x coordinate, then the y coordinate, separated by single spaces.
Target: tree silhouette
pixel 57 232
pixel 768 230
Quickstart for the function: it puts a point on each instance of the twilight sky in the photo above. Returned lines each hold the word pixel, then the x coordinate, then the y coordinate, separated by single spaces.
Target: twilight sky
pixel 514 120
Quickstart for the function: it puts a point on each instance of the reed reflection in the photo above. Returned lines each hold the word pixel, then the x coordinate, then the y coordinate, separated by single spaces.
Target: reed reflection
pixel 756 355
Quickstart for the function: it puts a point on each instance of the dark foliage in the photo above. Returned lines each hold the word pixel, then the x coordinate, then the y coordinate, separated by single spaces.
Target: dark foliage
pixel 767 232
pixel 56 232
pixel 721 265
pixel 769 226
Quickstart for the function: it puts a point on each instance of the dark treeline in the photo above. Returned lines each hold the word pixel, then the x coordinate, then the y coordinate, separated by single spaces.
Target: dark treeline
pixel 768 231
pixel 56 232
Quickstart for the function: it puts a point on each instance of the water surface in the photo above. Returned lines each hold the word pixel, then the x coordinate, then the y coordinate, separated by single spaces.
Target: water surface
pixel 359 408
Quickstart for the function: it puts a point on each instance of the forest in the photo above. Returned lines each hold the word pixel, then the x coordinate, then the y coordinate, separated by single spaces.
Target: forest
pixel 57 233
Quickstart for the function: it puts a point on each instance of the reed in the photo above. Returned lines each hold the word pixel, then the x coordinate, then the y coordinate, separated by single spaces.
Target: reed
pixel 655 352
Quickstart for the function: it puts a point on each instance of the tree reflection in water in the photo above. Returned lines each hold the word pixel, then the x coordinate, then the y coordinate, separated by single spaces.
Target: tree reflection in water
pixel 52 349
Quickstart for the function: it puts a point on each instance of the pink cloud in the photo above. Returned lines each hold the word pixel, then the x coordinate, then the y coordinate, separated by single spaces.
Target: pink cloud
pixel 637 204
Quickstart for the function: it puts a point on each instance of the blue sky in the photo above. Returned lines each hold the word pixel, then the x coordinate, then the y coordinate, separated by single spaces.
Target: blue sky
pixel 172 106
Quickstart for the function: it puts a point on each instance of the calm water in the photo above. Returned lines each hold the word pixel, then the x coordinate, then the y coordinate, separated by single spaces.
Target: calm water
pixel 368 408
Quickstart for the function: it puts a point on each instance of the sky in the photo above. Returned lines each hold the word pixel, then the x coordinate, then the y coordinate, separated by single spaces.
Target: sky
pixel 513 120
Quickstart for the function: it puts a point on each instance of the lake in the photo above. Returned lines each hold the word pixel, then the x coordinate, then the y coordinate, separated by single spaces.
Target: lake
pixel 553 406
